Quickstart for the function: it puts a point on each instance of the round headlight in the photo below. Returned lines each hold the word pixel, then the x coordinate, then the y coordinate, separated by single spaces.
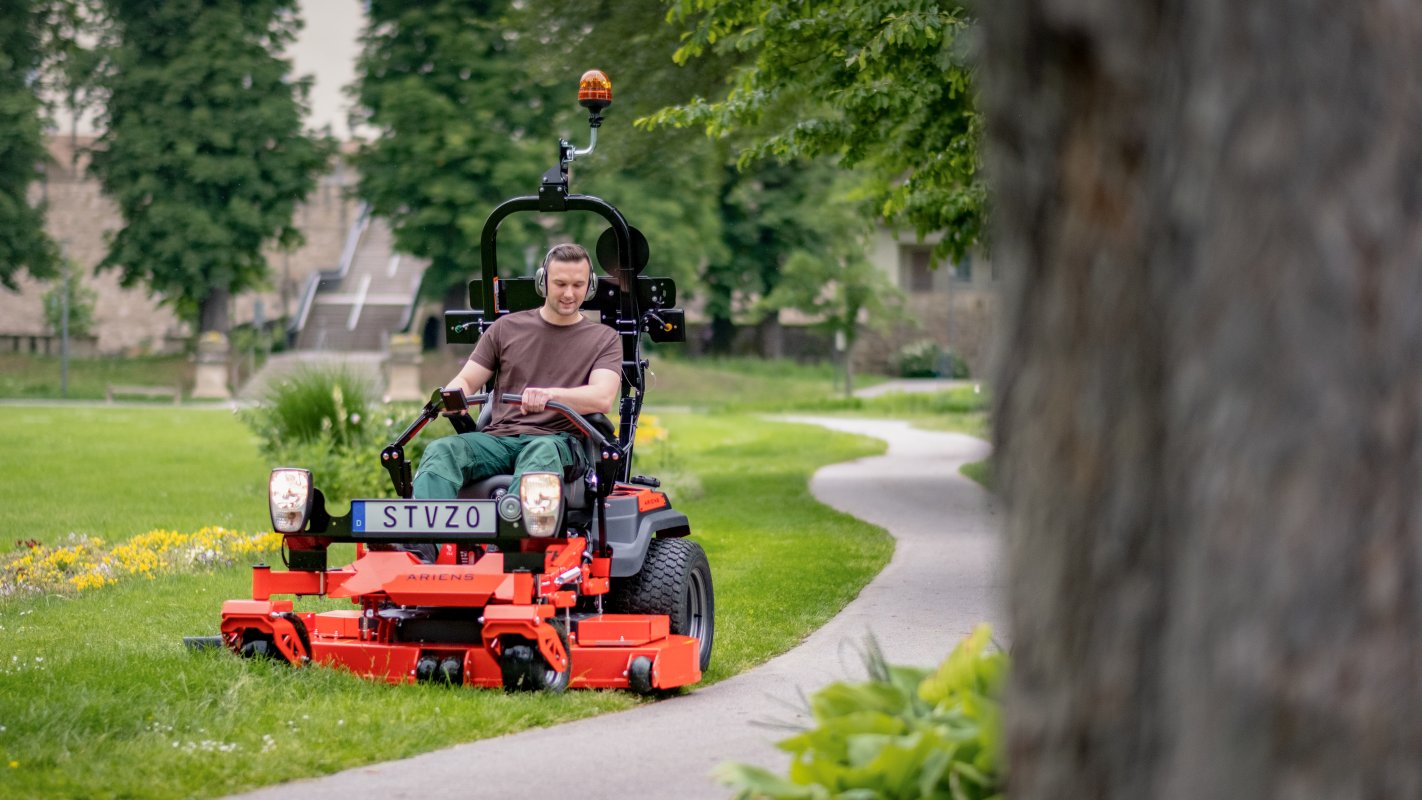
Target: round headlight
pixel 541 494
pixel 289 498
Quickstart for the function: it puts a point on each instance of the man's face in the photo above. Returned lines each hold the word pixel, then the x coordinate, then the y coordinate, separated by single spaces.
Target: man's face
pixel 567 285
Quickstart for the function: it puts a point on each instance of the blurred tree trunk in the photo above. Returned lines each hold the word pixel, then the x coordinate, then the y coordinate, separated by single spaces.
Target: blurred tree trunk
pixel 722 341
pixel 1209 400
pixel 770 336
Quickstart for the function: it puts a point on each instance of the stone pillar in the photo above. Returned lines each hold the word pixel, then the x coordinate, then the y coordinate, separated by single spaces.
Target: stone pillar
pixel 212 355
pixel 402 372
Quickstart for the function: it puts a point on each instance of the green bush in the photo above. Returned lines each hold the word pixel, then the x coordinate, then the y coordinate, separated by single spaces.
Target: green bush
pixel 82 302
pixel 905 733
pixel 330 422
pixel 926 359
pixel 314 403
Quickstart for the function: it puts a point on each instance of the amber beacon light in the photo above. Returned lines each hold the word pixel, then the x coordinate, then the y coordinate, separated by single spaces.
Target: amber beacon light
pixel 594 90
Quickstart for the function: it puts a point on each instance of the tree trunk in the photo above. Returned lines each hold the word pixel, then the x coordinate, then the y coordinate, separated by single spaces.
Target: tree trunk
pixel 770 336
pixel 849 366
pixel 1209 398
pixel 722 341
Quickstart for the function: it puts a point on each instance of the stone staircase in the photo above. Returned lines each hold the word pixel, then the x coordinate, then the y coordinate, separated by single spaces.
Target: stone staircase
pixel 372 294
pixel 348 314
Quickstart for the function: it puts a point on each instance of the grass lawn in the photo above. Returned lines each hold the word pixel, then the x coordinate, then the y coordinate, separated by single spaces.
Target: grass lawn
pixel 981 472
pixel 115 472
pixel 748 386
pixel 98 698
pixel 32 376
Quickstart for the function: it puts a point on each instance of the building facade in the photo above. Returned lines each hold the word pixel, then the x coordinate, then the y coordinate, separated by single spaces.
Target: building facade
pixel 131 321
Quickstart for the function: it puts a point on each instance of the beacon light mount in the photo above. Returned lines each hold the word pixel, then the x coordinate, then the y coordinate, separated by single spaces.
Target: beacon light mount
pixel 594 94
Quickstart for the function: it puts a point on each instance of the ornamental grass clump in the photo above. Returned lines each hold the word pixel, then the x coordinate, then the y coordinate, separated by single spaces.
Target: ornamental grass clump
pixel 905 733
pixel 81 563
pixel 332 403
pixel 329 421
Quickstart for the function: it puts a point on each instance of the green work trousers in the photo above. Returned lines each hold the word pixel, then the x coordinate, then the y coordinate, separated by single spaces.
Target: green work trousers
pixel 453 461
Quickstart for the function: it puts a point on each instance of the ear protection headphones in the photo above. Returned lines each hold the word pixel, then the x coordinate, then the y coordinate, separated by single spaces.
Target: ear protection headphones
pixel 540 278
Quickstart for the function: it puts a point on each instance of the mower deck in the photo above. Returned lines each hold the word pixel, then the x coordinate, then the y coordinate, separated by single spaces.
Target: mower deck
pixel 603 649
pixel 451 623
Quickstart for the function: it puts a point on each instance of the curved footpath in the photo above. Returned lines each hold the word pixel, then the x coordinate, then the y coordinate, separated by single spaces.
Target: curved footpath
pixel 941 581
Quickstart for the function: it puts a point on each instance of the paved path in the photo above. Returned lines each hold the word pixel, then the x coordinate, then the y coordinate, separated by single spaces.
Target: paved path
pixel 941 581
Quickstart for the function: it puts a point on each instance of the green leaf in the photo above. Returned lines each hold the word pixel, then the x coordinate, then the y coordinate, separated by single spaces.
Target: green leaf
pixel 758 782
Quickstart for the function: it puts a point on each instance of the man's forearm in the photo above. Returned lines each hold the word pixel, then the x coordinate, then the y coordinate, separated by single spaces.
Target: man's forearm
pixel 582 399
pixel 471 378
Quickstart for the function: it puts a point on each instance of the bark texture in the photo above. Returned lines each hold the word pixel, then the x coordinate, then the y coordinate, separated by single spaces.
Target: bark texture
pixel 1209 221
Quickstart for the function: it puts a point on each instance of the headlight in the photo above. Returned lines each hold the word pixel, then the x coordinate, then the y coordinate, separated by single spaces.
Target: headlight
pixel 289 496
pixel 542 496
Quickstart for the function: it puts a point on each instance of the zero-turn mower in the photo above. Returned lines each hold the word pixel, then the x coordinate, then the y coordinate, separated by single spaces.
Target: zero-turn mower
pixel 592 584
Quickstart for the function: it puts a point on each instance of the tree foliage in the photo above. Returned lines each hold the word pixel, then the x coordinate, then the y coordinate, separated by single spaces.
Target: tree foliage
pixel 734 229
pixel 460 125
pixel 74 36
pixel 830 278
pixel 884 85
pixel 203 149
pixel 24 246
pixel 665 181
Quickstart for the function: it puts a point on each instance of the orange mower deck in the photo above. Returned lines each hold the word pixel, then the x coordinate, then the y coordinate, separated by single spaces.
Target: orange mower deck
pixel 602 651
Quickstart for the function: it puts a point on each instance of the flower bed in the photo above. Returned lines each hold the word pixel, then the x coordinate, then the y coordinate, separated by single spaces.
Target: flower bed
pixel 81 563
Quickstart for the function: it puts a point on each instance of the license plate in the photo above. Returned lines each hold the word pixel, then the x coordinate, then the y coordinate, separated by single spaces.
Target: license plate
pixel 439 517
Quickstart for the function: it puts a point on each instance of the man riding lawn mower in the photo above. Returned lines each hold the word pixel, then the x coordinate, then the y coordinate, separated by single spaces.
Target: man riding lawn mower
pixel 524 553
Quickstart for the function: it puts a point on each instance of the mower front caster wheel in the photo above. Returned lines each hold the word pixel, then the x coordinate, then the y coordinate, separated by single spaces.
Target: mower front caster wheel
pixel 261 646
pixel 639 675
pixel 524 669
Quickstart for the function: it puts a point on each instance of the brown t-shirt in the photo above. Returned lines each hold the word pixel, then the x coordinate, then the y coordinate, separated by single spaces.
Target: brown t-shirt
pixel 524 349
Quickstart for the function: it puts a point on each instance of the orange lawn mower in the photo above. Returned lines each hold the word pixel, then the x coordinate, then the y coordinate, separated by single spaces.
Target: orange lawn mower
pixel 554 583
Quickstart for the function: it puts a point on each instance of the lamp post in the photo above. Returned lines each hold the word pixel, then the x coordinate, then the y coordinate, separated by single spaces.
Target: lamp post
pixel 64 321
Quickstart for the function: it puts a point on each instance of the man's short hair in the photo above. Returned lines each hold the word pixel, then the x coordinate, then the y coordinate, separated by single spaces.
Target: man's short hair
pixel 567 252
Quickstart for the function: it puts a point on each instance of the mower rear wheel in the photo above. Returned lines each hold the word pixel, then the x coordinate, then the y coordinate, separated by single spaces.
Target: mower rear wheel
pixel 524 669
pixel 676 581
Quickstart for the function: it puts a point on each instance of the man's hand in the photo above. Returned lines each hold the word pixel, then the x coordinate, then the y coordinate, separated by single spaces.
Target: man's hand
pixel 535 399
pixel 594 398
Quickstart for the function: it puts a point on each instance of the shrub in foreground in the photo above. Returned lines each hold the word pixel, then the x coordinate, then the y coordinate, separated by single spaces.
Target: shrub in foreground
pixel 905 733
pixel 330 422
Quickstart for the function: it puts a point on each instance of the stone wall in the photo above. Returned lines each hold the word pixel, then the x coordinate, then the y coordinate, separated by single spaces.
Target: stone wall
pixel 129 320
